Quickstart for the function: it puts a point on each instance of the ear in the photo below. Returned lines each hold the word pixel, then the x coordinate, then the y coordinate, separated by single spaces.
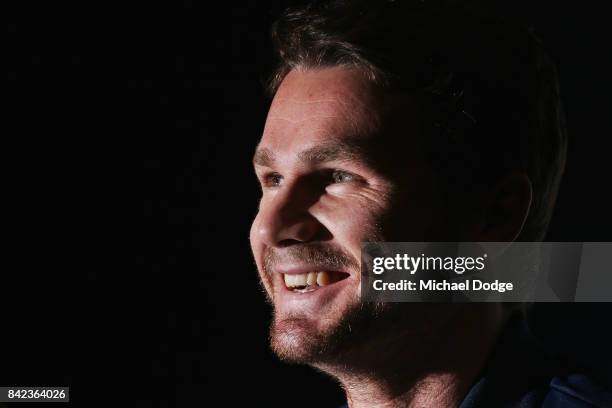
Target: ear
pixel 505 209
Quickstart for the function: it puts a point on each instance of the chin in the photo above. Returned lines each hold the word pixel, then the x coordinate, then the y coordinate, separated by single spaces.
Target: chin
pixel 304 339
pixel 297 339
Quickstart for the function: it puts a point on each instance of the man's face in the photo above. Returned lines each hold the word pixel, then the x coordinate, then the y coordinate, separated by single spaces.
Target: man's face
pixel 333 175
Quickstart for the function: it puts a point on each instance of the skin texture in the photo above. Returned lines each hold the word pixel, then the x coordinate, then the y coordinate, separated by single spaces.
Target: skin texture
pixel 341 163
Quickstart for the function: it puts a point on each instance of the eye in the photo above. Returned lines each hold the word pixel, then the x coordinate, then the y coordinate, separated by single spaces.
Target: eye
pixel 339 176
pixel 272 180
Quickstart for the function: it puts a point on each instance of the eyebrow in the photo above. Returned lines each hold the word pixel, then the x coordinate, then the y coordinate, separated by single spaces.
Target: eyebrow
pixel 263 157
pixel 316 154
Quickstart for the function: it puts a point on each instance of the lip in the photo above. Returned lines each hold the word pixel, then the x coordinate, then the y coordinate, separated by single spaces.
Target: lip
pixel 301 269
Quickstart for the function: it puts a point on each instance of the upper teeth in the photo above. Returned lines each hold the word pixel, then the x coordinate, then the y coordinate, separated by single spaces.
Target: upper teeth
pixel 307 279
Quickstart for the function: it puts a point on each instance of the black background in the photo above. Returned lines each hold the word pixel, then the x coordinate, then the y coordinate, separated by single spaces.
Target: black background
pixel 129 194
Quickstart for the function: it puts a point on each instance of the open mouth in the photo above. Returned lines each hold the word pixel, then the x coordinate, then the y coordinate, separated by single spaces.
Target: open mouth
pixel 308 282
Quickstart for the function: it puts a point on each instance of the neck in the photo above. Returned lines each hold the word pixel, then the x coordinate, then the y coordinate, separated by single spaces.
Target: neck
pixel 439 375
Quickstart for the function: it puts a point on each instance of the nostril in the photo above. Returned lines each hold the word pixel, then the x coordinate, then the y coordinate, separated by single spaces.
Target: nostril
pixel 287 243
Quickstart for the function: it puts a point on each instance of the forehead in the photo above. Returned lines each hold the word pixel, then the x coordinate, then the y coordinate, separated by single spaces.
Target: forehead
pixel 321 105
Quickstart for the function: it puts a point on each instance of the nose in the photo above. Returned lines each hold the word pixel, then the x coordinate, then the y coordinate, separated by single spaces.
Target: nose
pixel 285 218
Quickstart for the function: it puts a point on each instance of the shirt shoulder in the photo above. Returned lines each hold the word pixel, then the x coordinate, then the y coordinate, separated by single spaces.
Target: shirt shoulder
pixel 521 373
pixel 576 390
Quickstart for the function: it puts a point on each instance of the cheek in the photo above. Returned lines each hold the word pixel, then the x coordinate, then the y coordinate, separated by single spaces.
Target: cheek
pixel 352 217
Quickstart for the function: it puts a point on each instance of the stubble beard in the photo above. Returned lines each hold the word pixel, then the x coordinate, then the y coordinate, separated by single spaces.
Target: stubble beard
pixel 301 339
pixel 362 337
pixel 345 332
pixel 325 336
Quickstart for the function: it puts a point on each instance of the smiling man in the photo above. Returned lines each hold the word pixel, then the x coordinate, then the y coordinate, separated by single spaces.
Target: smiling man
pixel 404 121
